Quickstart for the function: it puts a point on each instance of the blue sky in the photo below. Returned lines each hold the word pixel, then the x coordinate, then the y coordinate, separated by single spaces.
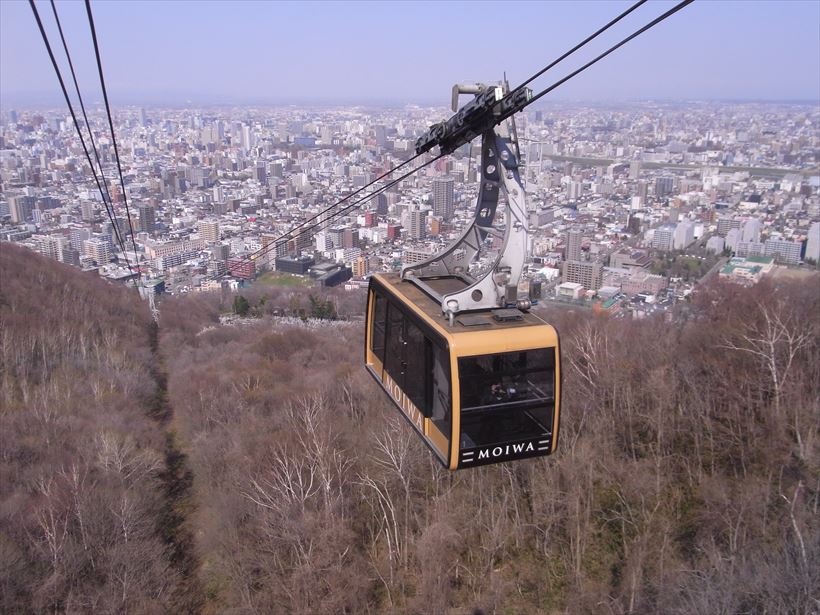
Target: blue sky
pixel 215 52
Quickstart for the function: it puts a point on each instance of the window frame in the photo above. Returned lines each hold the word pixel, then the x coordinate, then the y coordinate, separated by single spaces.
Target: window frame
pixel 378 328
pixel 539 410
pixel 431 342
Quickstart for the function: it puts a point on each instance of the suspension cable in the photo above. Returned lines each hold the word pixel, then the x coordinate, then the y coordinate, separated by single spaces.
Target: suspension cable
pixel 79 130
pixel 601 56
pixel 305 226
pixel 489 108
pixel 582 43
pixel 351 195
pixel 651 24
pixel 111 125
pixel 345 199
pixel 288 236
pixel 82 105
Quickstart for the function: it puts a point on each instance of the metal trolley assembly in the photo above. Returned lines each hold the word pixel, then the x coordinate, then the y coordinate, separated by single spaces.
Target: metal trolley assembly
pixel 445 276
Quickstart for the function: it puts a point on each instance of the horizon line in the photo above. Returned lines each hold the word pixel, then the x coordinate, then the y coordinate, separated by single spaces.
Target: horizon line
pixel 5 105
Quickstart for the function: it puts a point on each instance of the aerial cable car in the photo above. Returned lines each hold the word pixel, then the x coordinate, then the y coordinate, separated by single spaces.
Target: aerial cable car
pixel 460 356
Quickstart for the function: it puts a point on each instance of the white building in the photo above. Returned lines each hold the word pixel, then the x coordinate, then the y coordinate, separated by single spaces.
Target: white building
pixel 569 290
pixel 813 243
pixel 684 235
pixel 749 248
pixel 715 244
pixel 787 252
pixel 664 238
pixel 732 238
pixel 751 230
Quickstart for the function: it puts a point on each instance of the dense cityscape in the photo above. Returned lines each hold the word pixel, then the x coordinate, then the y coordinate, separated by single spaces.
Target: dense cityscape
pixel 629 206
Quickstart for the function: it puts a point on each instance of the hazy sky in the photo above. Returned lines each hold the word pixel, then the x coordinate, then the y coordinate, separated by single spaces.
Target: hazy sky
pixel 234 52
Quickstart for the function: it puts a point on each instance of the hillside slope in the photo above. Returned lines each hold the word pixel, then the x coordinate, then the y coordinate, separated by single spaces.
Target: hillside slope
pixel 685 482
pixel 83 506
pixel 256 468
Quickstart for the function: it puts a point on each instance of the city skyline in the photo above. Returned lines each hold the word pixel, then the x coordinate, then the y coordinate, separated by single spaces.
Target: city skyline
pixel 212 191
pixel 362 53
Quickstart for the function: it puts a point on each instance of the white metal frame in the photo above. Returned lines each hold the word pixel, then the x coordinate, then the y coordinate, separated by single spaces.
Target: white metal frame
pixel 499 170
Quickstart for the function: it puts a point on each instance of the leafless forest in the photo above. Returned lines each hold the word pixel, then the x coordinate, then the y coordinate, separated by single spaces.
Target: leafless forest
pixel 256 468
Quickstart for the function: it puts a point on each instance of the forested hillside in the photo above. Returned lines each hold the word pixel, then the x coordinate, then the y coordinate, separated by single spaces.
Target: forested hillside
pixel 686 480
pixel 85 520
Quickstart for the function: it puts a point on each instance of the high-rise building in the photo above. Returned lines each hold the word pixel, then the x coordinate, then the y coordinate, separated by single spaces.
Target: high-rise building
pixel 379 203
pixel 87 211
pixel 418 222
pixel 21 208
pixel 751 230
pixel 684 235
pixel 148 218
pixel 574 190
pixel 573 250
pixel 381 135
pixel 336 236
pixel 360 266
pixel 715 244
pixel 241 268
pixel 724 225
pixel 411 256
pixel 143 118
pixel 70 256
pixel 50 246
pixel 786 252
pixel 350 238
pixel 271 252
pixel 77 237
pixel 99 250
pixel 732 238
pixel 664 238
pixel 220 251
pixel 813 243
pixel 208 230
pixel 444 196
pixel 664 186
pixel 749 248
pixel 642 190
pixel 123 229
pixel 586 273
pixel 323 241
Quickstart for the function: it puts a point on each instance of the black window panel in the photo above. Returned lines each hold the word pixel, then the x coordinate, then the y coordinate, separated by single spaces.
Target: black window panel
pixel 510 377
pixel 417 371
pixel 507 396
pixel 394 361
pixel 441 411
pixel 417 363
pixel 379 332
